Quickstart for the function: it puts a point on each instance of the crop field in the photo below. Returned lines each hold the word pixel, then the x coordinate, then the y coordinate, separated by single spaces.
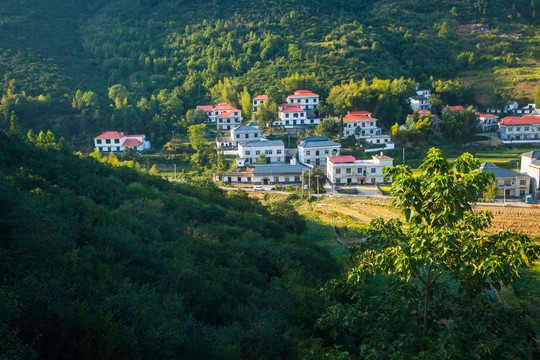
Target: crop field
pixel 514 219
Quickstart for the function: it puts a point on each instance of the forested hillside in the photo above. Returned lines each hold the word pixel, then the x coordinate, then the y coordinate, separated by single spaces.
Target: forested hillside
pixel 165 57
pixel 102 262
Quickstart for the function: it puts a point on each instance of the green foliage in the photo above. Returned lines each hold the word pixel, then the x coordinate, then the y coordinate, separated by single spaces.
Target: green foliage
pixel 110 262
pixel 197 136
pixel 141 60
pixel 459 127
pixel 327 127
pixel 435 267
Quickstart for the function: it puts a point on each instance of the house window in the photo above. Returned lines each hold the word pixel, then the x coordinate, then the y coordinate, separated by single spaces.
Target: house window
pixel 307 161
pixel 373 180
pixel 338 171
pixel 248 152
pixel 526 128
pixel 268 152
pixel 317 153
pixel 286 179
pixel 100 148
pixel 348 170
pixel 256 135
pixel 278 152
pixel 286 115
pixel 246 136
pixel 257 152
pixel 276 179
pixel 373 170
pixel 522 182
pixel 326 152
pixel 239 179
pixel 98 141
pixel 108 141
pixel 238 136
pixel 117 141
pixel 297 179
pixel 308 153
pixel 338 181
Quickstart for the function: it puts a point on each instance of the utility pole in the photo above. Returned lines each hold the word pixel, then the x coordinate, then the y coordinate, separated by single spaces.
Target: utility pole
pixel 174 172
pixel 309 188
pixel 318 189
pixel 302 185
pixel 403 156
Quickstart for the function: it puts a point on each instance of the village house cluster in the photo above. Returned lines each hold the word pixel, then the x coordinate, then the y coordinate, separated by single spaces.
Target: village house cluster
pixel 268 162
pixel 260 161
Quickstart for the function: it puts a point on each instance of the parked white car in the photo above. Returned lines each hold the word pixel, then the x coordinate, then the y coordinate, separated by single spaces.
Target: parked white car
pixel 259 188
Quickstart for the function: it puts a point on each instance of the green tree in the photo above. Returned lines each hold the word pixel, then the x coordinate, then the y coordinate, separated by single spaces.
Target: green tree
pixel 327 127
pixel 261 159
pixel 266 113
pixel 246 103
pixel 197 136
pixel 441 258
pixel 14 127
pixel 537 96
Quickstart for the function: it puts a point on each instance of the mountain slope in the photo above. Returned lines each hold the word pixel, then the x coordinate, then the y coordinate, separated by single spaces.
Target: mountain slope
pixel 102 262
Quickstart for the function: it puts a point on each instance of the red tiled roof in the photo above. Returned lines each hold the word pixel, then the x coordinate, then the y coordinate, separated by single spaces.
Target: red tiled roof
pixel 453 108
pixel 303 93
pixel 132 142
pixel 342 159
pixel 225 106
pixel 227 114
pixel 110 135
pixel 260 97
pixel 482 115
pixel 365 113
pixel 524 120
pixel 205 107
pixel 289 109
pixel 289 105
pixel 351 117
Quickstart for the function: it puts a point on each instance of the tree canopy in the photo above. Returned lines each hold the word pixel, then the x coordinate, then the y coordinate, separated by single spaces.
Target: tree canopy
pixel 437 266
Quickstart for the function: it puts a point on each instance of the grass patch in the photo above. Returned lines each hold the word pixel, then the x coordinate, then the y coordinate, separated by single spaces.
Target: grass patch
pixel 527 290
pixel 323 234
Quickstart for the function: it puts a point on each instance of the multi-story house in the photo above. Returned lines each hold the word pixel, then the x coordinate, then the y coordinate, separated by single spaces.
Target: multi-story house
pixel 228 120
pixel 488 122
pixel 239 134
pixel 346 170
pixel 114 141
pixel 419 102
pixel 520 128
pixel 305 98
pixel 530 165
pixel 362 120
pixel 313 150
pixel 273 150
pixel 511 183
pixel 258 101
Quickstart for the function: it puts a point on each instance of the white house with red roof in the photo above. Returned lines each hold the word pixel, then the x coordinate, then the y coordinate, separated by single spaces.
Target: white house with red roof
pixel 114 141
pixel 487 122
pixel 228 120
pixel 258 101
pixel 292 115
pixel 524 129
pixel 305 98
pixel 346 170
pixel 364 127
